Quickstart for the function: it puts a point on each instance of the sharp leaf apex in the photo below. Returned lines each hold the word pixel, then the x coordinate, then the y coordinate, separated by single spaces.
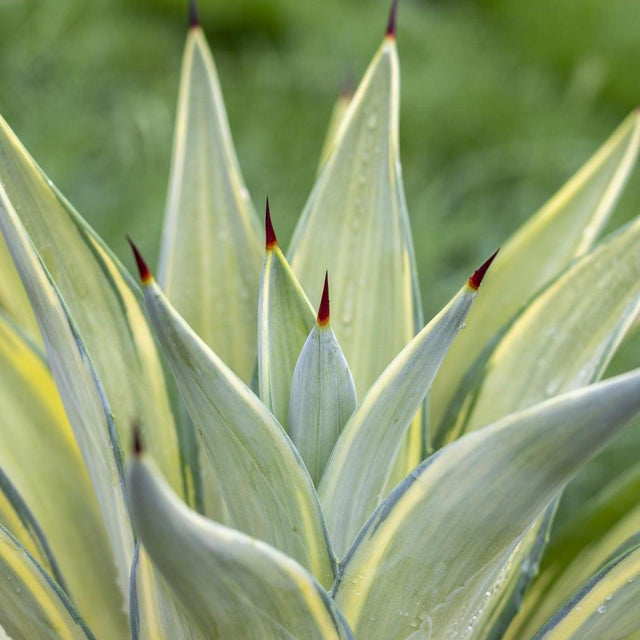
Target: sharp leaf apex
pixel 194 14
pixel 323 309
pixel 478 275
pixel 391 25
pixel 137 448
pixel 270 235
pixel 143 269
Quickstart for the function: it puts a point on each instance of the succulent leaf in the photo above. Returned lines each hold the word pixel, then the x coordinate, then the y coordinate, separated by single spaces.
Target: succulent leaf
pixel 79 386
pixel 338 112
pixel 211 249
pixel 285 318
pixel 33 605
pixel 357 472
pixel 323 395
pixel 355 225
pixel 434 524
pixel 100 297
pixel 265 485
pixel 231 585
pixel 606 606
pixel 563 229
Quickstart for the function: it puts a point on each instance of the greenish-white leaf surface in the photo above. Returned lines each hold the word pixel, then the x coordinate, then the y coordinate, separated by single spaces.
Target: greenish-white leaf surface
pixel 564 228
pixel 231 585
pixel 265 486
pixel 606 606
pixel 285 318
pixel 362 460
pixel 355 224
pixel 101 298
pixel 155 613
pixel 338 112
pixel 579 550
pixel 79 387
pixel 41 458
pixel 459 516
pixel 323 397
pixel 31 603
pixel 566 336
pixel 211 244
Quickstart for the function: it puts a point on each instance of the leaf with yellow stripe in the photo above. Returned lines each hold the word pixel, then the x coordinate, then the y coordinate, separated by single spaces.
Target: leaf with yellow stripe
pixel 362 460
pixel 355 224
pixel 563 229
pixel 32 605
pixel 606 606
pixel 285 318
pixel 459 516
pixel 101 298
pixel 263 481
pixel 230 585
pixel 210 226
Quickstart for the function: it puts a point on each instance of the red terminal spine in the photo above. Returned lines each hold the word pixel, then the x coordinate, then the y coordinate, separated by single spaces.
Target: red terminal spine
pixel 393 15
pixel 323 309
pixel 194 14
pixel 143 270
pixel 478 275
pixel 270 234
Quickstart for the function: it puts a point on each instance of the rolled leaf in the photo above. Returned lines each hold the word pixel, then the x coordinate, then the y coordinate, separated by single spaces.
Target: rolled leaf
pixel 211 243
pixel 285 318
pixel 355 224
pixel 354 480
pixel 79 387
pixel 563 229
pixel 33 605
pixel 606 606
pixel 323 395
pixel 100 297
pixel 230 585
pixel 462 512
pixel 263 481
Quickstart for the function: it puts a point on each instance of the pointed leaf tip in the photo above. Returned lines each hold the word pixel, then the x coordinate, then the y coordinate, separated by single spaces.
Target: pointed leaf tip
pixel 478 275
pixel 143 270
pixel 137 447
pixel 391 25
pixel 323 309
pixel 270 234
pixel 194 14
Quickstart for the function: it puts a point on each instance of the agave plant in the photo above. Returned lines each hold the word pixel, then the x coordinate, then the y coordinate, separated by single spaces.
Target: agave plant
pixel 322 474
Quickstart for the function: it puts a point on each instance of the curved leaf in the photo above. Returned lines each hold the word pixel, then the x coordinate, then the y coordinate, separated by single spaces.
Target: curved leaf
pixel 564 228
pixel 355 477
pixel 355 225
pixel 265 486
pixel 231 585
pixel 338 112
pixel 323 395
pixel 33 605
pixel 211 244
pixel 100 297
pixel 460 514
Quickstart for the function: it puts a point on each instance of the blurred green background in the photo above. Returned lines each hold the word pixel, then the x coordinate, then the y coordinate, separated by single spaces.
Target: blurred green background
pixel 501 102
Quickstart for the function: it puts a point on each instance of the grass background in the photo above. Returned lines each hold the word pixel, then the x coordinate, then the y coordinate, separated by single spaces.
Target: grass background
pixel 501 102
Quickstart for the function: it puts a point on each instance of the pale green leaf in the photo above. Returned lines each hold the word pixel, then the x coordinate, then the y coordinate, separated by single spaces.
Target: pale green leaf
pixel 337 115
pixel 285 318
pixel 263 481
pixel 441 539
pixel 323 398
pixel 40 456
pixel 101 299
pixel 211 244
pixel 355 225
pixel 231 585
pixel 564 228
pixel 32 605
pixel 155 613
pixel 579 549
pixel 606 606
pixel 565 337
pixel 355 477
pixel 79 387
